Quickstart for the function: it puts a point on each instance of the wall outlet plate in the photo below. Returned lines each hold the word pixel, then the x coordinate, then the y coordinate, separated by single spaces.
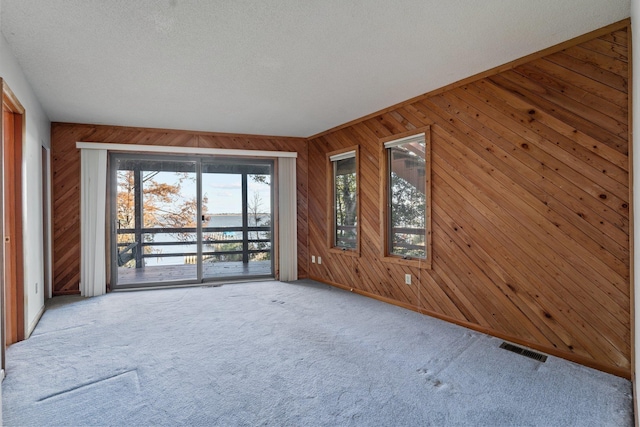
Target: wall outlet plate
pixel 319 260
pixel 313 259
pixel 407 279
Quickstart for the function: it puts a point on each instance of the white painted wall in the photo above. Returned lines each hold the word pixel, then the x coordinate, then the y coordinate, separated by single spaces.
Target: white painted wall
pixel 635 141
pixel 38 132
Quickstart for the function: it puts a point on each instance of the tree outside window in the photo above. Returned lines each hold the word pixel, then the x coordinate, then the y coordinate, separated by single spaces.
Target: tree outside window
pixel 164 204
pixel 407 197
pixel 345 202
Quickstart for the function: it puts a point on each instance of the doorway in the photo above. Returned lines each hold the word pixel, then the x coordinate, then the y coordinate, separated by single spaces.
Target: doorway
pixel 237 226
pixel 185 220
pixel 11 218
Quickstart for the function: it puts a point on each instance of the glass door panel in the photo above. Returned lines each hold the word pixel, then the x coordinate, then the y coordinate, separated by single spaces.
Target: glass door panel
pixel 189 220
pixel 236 231
pixel 223 223
pixel 260 220
pixel 156 220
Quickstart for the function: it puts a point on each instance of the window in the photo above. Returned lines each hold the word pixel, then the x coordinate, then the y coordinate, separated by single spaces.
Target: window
pixel 344 200
pixel 172 223
pixel 407 197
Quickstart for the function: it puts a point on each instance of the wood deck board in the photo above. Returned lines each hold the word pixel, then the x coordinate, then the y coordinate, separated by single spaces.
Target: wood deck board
pixel 174 273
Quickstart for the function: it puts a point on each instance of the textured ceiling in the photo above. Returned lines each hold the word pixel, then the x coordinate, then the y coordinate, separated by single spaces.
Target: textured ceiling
pixel 279 67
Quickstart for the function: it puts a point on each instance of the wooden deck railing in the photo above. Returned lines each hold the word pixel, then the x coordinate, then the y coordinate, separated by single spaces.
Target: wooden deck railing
pixel 411 232
pixel 139 254
pixel 346 242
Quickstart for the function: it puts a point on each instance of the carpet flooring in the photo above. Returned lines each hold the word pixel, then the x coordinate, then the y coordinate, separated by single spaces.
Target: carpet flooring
pixel 285 354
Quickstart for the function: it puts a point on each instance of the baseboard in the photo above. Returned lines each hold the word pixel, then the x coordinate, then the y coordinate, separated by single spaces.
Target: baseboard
pixel 33 324
pixel 620 372
pixel 63 293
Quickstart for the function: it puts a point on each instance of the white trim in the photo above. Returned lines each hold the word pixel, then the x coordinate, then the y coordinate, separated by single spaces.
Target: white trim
pixel 343 156
pixel 183 150
pixel 33 324
pixel 420 137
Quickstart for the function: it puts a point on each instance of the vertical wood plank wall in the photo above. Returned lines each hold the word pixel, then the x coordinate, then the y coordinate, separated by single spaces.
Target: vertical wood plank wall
pixel 530 204
pixel 66 183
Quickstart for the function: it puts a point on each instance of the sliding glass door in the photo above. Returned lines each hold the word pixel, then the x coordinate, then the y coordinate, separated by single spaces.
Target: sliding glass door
pixel 190 220
pixel 237 199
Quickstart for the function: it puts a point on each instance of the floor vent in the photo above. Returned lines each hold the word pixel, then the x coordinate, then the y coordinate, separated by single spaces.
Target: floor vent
pixel 524 352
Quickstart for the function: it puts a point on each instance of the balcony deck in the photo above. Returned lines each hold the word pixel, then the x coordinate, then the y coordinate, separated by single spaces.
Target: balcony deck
pixel 174 273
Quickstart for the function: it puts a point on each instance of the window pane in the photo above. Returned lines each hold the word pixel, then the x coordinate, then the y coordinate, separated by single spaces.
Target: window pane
pixel 156 218
pixel 407 199
pixel 345 203
pixel 259 216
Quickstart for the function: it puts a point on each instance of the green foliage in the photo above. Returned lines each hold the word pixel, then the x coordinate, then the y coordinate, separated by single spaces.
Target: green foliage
pixel 346 210
pixel 408 204
pixel 408 210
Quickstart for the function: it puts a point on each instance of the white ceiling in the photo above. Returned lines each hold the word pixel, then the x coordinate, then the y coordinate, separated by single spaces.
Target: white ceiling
pixel 272 67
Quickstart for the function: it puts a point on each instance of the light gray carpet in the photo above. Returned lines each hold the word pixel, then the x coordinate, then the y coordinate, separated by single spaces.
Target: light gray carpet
pixel 280 354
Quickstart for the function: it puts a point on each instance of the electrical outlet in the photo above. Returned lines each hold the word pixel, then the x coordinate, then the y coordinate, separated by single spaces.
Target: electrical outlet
pixel 313 259
pixel 407 279
pixel 319 260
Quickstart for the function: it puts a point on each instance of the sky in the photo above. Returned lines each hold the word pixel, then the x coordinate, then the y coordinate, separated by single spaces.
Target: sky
pixel 225 193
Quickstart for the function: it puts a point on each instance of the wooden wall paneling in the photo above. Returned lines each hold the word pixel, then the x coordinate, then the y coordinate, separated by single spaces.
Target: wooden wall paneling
pixel 528 217
pixel 586 56
pixel 66 183
pixel 496 220
pixel 607 320
pixel 465 237
pixel 550 167
pixel 521 277
pixel 455 230
pixel 489 306
pixel 606 48
pixel 564 150
pixel 590 71
pixel 318 222
pixel 66 209
pixel 553 195
pixel 546 193
pixel 587 91
pixel 617 37
pixel 530 203
pixel 593 188
pixel 524 115
pixel 434 299
pixel 519 85
pixel 529 79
